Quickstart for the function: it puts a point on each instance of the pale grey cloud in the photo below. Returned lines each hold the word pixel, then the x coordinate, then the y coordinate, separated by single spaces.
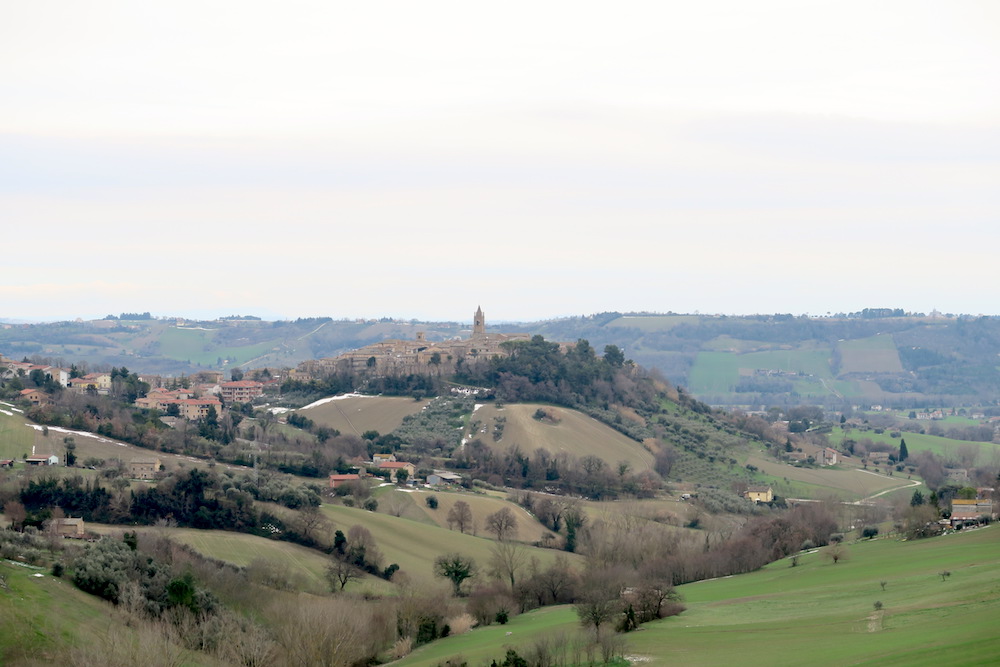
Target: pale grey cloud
pixel 411 158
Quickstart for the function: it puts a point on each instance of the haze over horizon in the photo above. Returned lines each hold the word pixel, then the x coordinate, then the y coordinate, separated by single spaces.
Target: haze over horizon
pixel 414 161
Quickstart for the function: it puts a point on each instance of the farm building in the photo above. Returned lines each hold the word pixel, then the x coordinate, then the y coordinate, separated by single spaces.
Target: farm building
pixel 759 494
pixel 440 477
pixel 42 460
pixel 340 480
pixel 143 468
pixel 971 511
pixel 69 527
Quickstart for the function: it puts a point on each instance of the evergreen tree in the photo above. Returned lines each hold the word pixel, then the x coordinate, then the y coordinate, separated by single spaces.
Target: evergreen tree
pixel 903 454
pixel 917 500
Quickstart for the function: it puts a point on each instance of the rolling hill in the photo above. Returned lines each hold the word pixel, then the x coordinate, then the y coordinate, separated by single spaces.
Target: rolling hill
pixel 818 613
pixel 909 361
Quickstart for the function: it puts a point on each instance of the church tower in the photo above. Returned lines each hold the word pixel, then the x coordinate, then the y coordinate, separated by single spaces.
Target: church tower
pixel 479 323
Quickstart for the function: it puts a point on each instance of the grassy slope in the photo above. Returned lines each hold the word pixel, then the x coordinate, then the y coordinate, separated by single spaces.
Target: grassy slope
pixel 917 442
pixel 414 544
pixel 817 613
pixel 41 615
pixel 847 483
pixel 16 439
pixel 198 347
pixel 715 372
pixel 241 549
pixel 876 354
pixel 822 613
pixel 575 434
pixel 355 415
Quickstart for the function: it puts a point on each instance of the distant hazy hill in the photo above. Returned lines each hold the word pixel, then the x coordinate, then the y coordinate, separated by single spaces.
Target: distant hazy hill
pixel 782 359
pixel 746 361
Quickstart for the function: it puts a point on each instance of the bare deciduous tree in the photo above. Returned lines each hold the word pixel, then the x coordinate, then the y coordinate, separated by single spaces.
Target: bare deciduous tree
pixel 507 559
pixel 460 516
pixel 339 573
pixel 502 523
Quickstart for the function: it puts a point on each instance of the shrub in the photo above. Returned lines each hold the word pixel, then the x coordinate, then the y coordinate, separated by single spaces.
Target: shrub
pixel 869 532
pixel 432 502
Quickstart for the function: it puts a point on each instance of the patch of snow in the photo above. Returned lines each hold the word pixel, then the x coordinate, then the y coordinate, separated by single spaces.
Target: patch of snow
pixel 37 574
pixel 9 414
pixel 386 484
pixel 477 406
pixel 85 434
pixel 278 411
pixel 340 397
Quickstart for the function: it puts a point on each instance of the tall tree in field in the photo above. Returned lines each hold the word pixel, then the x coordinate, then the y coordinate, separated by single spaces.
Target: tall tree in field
pixel 502 523
pixel 902 450
pixel 460 516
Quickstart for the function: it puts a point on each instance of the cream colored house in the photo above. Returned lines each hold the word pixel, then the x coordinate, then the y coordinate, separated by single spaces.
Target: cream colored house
pixel 759 494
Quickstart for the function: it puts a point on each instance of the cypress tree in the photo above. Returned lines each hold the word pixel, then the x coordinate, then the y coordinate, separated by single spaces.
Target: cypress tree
pixel 903 454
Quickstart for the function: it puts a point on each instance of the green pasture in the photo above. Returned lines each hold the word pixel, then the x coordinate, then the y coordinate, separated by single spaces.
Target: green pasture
pixel 818 613
pixel 876 354
pixel 719 372
pixel 16 438
pixel 949 448
pixel 833 481
pixel 823 613
pixel 414 545
pixel 198 346
pixel 39 616
pixel 736 345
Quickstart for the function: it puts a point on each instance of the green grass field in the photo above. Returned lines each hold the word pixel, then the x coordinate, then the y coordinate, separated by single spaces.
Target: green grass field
pixel 985 452
pixel 16 439
pixel 818 613
pixel 198 347
pixel 415 544
pixel 719 372
pixel 844 482
pixel 39 616
pixel 876 354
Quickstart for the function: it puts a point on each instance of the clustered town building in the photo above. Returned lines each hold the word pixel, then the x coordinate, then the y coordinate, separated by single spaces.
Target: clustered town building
pixel 396 356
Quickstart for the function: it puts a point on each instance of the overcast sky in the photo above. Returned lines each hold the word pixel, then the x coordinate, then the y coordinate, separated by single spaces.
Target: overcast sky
pixel 542 159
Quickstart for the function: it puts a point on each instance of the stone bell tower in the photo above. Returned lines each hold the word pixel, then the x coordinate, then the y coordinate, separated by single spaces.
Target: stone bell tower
pixel 479 323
